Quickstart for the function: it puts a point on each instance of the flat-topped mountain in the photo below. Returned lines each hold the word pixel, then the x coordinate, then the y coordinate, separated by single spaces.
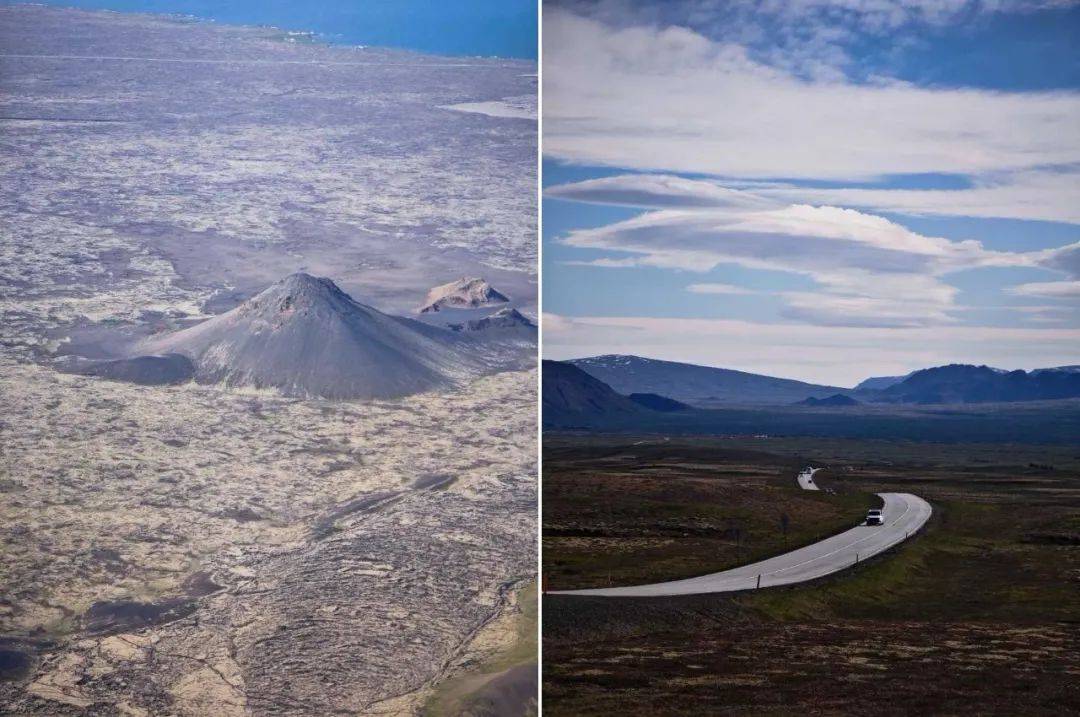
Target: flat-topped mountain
pixel 306 337
pixel 698 385
pixel 467 293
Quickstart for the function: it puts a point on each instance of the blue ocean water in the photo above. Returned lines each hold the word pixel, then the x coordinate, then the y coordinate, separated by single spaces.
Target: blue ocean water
pixel 503 28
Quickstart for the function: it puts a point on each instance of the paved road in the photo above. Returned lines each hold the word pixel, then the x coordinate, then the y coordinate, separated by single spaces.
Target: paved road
pixel 806 479
pixel 904 515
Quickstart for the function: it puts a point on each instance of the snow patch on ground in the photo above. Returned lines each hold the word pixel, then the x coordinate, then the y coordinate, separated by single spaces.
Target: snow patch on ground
pixel 510 108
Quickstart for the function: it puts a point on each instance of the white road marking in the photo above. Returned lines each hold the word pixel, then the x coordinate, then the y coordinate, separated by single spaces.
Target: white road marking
pixel 838 555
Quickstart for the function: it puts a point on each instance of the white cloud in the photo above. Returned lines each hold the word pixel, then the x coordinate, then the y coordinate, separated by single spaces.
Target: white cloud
pixel 797 238
pixel 870 271
pixel 670 99
pixel 1041 194
pixel 1065 259
pixel 809 38
pixel 1063 289
pixel 717 288
pixel 1037 194
pixel 605 262
pixel 832 355
pixel 832 309
pixel 635 91
pixel 658 191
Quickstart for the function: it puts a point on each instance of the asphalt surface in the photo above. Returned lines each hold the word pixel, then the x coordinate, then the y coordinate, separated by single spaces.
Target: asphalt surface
pixel 904 515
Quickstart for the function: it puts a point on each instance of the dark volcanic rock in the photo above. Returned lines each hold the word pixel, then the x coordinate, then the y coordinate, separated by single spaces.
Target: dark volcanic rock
pixel 125 615
pixel 14 664
pixel 167 370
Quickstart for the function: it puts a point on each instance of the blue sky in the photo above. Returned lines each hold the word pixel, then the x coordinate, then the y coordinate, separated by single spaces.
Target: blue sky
pixel 503 28
pixel 816 189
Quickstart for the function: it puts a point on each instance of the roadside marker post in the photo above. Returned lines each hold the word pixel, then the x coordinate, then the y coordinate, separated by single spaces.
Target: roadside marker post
pixel 758 582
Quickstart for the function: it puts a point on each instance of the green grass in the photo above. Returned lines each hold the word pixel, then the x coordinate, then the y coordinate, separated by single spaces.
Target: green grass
pixel 971 563
pixel 607 522
pixel 525 648
pixel 458 696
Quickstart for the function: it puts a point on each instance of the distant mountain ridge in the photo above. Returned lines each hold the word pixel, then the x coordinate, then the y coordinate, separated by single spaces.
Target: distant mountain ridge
pixel 1066 369
pixel 575 401
pixel 709 387
pixel 700 386
pixel 879 383
pixel 963 383
pixel 501 320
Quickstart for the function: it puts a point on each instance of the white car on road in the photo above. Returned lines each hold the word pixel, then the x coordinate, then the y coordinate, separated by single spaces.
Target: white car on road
pixel 874 517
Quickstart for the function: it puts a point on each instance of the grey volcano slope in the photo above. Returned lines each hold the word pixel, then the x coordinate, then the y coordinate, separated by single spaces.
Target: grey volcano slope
pixel 702 386
pixel 306 337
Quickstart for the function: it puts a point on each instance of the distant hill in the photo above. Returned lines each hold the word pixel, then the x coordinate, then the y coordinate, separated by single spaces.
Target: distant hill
pixel 837 399
pixel 655 402
pixel 698 385
pixel 503 320
pixel 879 383
pixel 962 383
pixel 573 397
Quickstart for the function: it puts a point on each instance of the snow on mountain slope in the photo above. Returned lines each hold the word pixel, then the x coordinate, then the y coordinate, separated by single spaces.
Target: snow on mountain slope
pixel 503 320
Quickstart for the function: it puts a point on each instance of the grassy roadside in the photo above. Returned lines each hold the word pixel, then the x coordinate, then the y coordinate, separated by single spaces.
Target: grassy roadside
pixel 972 562
pixel 642 513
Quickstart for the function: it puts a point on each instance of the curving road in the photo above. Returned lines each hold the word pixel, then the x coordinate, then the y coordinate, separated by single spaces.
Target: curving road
pixel 904 515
